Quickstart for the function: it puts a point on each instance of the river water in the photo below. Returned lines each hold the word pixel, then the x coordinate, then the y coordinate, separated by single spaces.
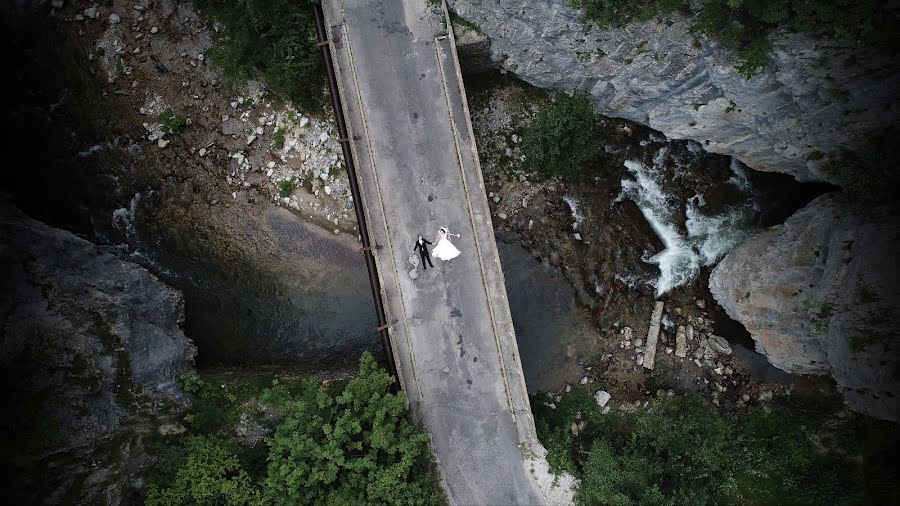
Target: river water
pixel 260 288
pixel 551 330
pixel 707 237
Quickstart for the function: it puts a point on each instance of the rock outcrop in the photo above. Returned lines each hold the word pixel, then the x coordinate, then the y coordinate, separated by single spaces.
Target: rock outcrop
pixel 816 96
pixel 90 352
pixel 820 294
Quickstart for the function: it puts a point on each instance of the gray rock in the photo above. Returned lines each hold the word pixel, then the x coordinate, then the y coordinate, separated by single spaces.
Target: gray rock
pixel 821 295
pixel 96 343
pixel 171 429
pixel 474 49
pixel 114 19
pixel 719 344
pixel 653 335
pixel 808 100
pixel 681 342
pixel 56 4
pixel 602 397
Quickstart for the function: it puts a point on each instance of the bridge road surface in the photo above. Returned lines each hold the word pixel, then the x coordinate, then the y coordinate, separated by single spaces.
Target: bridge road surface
pixel 417 166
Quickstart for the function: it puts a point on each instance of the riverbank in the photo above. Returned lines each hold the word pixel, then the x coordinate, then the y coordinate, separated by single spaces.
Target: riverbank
pixel 230 195
pixel 645 222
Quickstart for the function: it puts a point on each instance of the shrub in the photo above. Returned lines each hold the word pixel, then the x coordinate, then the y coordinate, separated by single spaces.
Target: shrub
pixel 278 141
pixel 354 448
pixel 620 12
pixel 287 186
pixel 563 138
pixel 203 470
pixel 172 123
pixel 680 451
pixel 344 444
pixel 744 25
pixel 271 40
pixel 868 177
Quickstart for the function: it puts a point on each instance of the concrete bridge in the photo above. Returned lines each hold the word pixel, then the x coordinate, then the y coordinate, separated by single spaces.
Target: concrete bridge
pixel 455 350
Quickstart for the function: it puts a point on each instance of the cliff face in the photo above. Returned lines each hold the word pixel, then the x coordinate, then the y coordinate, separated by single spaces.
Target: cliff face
pixel 815 97
pixel 821 295
pixel 90 352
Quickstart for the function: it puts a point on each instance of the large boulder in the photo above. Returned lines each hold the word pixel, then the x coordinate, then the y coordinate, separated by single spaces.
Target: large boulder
pixel 91 348
pixel 820 294
pixel 816 96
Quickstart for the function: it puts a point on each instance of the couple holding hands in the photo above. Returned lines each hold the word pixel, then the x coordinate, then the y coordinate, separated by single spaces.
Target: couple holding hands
pixel 443 248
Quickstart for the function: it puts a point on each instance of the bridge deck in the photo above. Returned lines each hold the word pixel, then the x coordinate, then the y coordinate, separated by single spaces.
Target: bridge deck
pixel 418 169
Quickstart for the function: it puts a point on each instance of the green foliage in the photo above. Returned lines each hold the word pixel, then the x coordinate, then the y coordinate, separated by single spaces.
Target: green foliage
pixel 204 470
pixel 278 141
pixel 679 451
pixel 345 444
pixel 207 415
pixel 271 40
pixel 744 25
pixel 563 138
pixel 190 382
pixel 287 186
pixel 461 21
pixel 869 177
pixel 172 123
pixel 754 57
pixel 355 448
pixel 619 12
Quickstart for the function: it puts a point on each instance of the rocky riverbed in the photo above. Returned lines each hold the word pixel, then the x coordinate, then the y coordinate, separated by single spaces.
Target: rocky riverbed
pixel 647 222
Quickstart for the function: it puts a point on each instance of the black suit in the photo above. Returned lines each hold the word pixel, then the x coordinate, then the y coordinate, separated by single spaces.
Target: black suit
pixel 423 250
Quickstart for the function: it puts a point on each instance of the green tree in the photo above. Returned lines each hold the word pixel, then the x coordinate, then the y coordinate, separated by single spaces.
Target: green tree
pixel 563 138
pixel 205 471
pixel 355 448
pixel 271 40
pixel 337 444
pixel 679 451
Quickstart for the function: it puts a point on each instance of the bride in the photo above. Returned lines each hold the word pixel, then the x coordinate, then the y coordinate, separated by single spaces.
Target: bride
pixel 444 249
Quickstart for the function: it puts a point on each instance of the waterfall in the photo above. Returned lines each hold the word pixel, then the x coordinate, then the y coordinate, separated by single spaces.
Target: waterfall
pixel 708 238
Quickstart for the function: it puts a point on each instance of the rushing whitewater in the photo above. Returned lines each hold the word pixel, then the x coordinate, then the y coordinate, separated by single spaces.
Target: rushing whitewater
pixel 708 238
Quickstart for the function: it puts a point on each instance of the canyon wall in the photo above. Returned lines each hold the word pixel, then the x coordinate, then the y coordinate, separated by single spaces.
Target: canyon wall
pixel 91 349
pixel 820 294
pixel 816 96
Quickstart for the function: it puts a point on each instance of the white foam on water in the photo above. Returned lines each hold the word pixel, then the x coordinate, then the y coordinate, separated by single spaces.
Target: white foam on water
pixel 575 207
pixel 124 219
pixel 739 176
pixel 695 148
pixel 708 238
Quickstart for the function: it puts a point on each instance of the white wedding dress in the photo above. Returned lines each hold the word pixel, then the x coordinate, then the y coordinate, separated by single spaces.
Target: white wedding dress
pixel 444 249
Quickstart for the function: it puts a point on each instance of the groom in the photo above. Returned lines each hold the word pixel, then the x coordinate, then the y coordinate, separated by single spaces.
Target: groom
pixel 423 250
